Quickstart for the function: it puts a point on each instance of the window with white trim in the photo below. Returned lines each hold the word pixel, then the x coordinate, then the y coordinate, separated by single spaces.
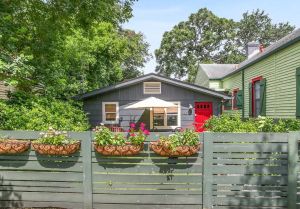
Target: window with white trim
pixel 167 117
pixel 152 87
pixel 110 112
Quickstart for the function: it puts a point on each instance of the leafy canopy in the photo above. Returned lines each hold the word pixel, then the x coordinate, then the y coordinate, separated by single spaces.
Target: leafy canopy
pixel 207 38
pixel 62 48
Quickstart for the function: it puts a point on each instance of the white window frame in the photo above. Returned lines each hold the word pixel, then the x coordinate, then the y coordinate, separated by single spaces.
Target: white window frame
pixel 104 113
pixel 144 84
pixel 166 119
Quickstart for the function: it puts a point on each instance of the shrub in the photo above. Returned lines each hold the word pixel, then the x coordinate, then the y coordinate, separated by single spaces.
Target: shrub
pixel 233 123
pixel 54 137
pixel 38 113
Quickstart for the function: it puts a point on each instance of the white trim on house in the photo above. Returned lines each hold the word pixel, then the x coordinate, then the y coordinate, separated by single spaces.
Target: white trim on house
pixel 104 113
pixel 151 90
pixel 165 118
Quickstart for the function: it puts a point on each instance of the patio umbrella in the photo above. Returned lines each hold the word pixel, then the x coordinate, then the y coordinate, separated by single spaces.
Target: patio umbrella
pixel 151 102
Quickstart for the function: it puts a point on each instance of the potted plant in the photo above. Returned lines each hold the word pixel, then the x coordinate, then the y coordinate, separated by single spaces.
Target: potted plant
pixel 13 146
pixel 55 142
pixel 108 143
pixel 184 143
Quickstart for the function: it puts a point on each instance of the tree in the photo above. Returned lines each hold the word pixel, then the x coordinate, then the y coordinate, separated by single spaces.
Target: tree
pixel 71 46
pixel 206 38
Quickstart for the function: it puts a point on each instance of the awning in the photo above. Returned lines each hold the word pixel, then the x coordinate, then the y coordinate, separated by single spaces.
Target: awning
pixel 151 102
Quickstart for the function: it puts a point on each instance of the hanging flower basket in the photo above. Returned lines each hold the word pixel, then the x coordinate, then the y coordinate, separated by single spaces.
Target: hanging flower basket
pixel 180 151
pixel 115 150
pixel 48 149
pixel 13 146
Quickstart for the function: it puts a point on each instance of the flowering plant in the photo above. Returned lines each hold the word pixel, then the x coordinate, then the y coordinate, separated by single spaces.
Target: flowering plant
pixel 185 137
pixel 54 137
pixel 137 138
pixel 103 136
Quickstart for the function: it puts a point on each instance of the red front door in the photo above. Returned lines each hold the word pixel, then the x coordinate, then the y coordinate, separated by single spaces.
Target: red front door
pixel 203 111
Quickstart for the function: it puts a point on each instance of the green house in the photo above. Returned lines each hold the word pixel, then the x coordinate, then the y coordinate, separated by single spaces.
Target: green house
pixel 267 83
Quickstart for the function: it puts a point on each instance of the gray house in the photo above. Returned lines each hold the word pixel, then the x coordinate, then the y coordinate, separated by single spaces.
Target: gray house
pixel 194 104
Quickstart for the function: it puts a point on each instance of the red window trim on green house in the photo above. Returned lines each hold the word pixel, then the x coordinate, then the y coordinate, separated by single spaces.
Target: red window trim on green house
pixel 252 97
pixel 234 98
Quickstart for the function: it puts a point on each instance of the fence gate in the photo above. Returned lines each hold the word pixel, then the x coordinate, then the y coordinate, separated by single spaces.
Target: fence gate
pixel 147 181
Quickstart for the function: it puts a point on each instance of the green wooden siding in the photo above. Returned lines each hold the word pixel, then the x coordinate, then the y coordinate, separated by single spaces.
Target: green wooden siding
pixel 230 83
pixel 279 71
pixel 215 84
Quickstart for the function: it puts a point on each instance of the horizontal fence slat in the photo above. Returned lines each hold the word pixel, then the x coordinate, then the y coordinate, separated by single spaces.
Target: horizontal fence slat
pixel 150 178
pixel 150 192
pixel 243 155
pixel 41 176
pixel 149 206
pixel 45 196
pixel 41 166
pixel 147 199
pixel 250 180
pixel 40 204
pixel 247 201
pixel 249 137
pixel 127 168
pixel 250 148
pixel 249 169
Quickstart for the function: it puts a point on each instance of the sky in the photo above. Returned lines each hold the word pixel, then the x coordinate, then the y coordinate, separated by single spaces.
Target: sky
pixel 154 17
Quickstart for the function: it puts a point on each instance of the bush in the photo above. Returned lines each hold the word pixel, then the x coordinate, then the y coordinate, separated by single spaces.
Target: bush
pixel 39 113
pixel 233 123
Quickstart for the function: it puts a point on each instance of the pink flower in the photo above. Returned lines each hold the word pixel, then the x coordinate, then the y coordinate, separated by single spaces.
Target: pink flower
pixel 146 132
pixel 132 125
pixel 133 134
pixel 142 126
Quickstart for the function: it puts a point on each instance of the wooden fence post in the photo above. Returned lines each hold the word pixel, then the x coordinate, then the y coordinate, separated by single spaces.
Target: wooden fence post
pixel 207 177
pixel 87 170
pixel 292 169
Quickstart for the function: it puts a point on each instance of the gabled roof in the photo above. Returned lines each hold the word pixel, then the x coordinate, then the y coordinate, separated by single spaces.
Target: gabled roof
pixel 217 71
pixel 273 48
pixel 155 77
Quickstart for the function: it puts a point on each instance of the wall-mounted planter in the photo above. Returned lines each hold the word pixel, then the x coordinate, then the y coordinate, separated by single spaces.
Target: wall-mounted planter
pixel 114 150
pixel 14 146
pixel 181 151
pixel 48 149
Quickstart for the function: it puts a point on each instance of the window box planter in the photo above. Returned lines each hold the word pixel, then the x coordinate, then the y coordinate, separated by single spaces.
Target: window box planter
pixel 49 149
pixel 12 146
pixel 119 150
pixel 180 151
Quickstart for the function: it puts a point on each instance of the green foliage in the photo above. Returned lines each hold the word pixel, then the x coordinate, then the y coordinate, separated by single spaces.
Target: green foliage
pixel 67 47
pixel 207 38
pixel 38 113
pixel 54 137
pixel 230 123
pixel 103 136
pixel 185 138
pixel 233 123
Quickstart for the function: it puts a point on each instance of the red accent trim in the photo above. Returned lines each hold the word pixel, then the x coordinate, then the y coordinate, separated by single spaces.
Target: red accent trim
pixel 234 99
pixel 254 80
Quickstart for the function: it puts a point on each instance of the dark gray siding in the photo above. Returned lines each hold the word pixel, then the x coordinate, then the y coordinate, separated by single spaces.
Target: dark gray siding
pixel 134 93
